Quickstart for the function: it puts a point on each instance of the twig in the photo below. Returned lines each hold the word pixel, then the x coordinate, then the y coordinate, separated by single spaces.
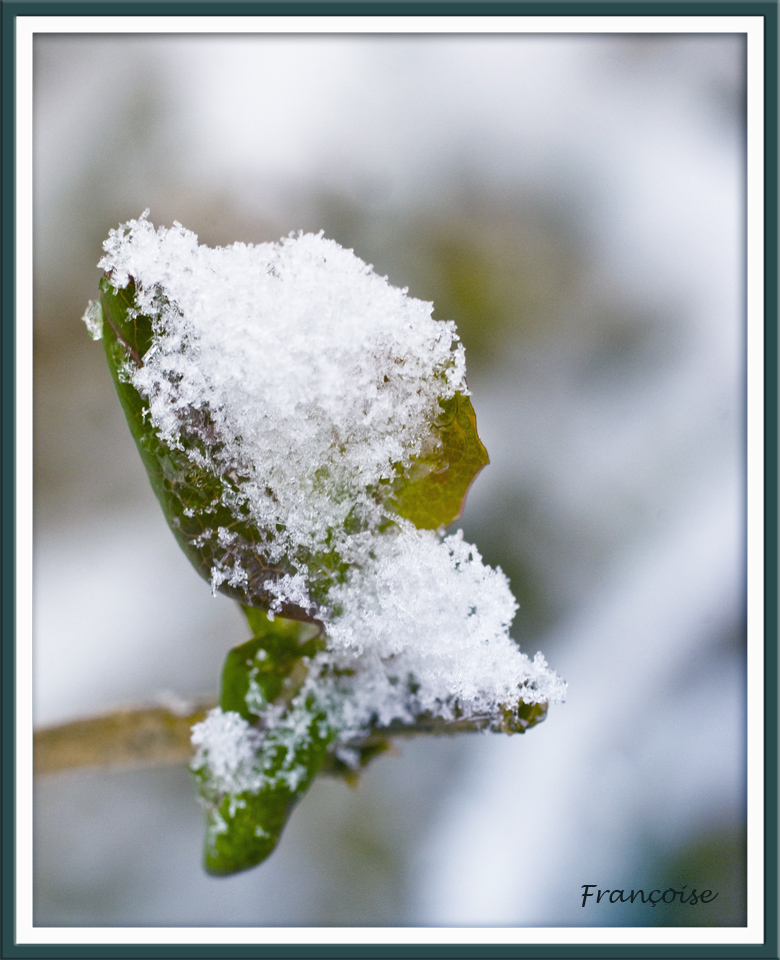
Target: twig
pixel 160 736
pixel 134 737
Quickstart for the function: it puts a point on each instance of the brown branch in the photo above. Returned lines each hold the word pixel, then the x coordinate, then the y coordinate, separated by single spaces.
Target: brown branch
pixel 134 737
pixel 160 736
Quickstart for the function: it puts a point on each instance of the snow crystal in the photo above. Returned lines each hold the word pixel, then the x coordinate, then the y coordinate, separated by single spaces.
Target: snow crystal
pixel 231 751
pixel 317 384
pixel 93 317
pixel 227 745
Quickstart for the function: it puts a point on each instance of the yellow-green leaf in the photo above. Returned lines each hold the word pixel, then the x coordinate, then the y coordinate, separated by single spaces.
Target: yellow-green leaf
pixel 433 493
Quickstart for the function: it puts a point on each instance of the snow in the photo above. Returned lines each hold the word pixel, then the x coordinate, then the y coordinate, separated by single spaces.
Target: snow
pixel 322 382
pixel 455 610
pixel 228 745
pixel 93 318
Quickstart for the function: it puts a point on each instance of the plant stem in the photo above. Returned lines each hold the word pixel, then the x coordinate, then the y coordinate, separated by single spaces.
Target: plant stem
pixel 158 736
pixel 133 737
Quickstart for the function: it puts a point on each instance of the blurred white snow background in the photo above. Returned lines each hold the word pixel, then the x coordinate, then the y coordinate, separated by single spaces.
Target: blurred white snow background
pixel 575 204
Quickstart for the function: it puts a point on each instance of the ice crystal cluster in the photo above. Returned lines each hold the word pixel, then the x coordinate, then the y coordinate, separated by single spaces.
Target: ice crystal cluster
pixel 309 388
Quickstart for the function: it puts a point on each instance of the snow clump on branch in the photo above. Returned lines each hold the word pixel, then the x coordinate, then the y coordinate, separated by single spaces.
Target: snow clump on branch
pixel 318 384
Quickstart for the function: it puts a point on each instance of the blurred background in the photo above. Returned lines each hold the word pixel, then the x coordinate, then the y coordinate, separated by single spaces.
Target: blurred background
pixel 575 204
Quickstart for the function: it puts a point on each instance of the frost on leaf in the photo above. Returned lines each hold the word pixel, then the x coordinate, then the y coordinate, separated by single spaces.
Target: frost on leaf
pixel 308 431
pixel 93 318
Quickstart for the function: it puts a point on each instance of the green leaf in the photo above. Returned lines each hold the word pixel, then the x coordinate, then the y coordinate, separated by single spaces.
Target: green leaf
pixel 243 828
pixel 269 667
pixel 521 718
pixel 194 499
pixel 261 676
pixel 433 494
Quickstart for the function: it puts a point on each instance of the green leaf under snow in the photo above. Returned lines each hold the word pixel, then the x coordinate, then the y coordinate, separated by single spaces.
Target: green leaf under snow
pixel 194 499
pixel 244 825
pixel 197 502
pixel 260 677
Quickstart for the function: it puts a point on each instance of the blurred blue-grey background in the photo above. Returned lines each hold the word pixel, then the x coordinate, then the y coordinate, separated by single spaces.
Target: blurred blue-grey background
pixel 576 205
